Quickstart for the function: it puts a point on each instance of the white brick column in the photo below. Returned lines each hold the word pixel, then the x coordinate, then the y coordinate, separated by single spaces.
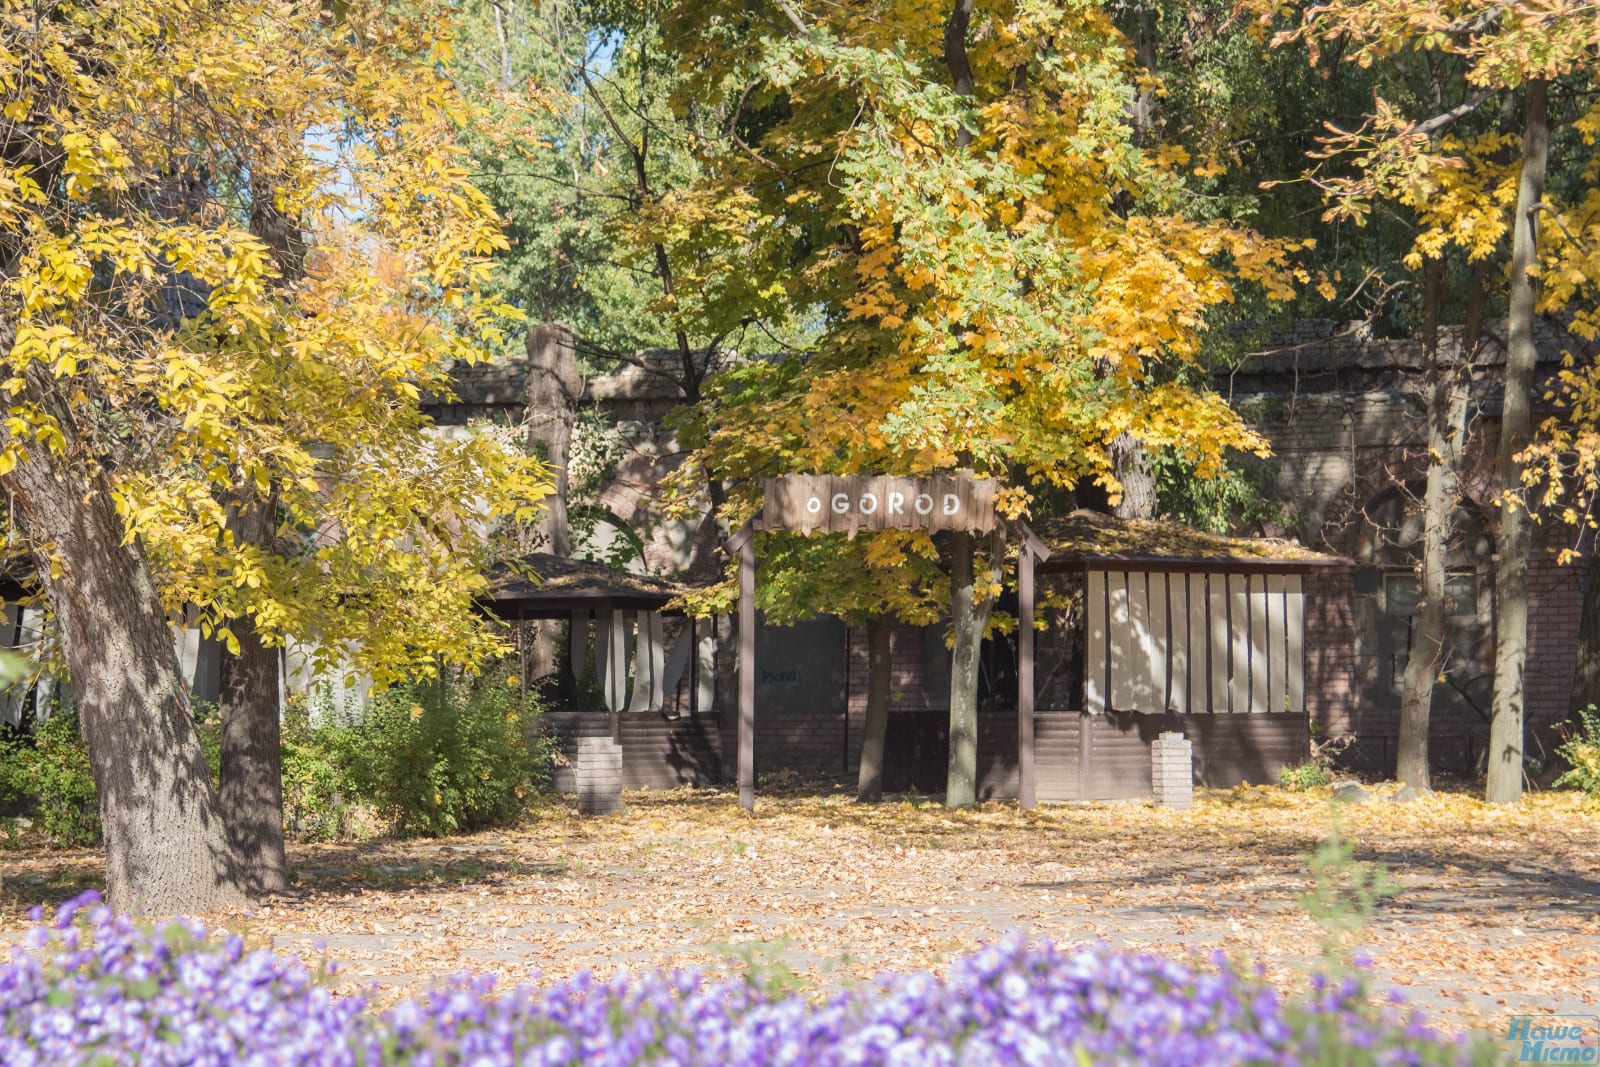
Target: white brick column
pixel 1172 771
pixel 599 775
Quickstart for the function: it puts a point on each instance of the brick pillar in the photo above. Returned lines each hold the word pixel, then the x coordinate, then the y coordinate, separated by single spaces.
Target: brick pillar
pixel 1172 771
pixel 599 774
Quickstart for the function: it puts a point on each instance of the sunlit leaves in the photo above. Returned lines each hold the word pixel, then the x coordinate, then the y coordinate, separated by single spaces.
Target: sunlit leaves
pixel 197 374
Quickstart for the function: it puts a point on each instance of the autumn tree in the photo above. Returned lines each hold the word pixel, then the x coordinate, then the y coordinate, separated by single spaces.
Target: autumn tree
pixel 172 372
pixel 1480 192
pixel 1006 281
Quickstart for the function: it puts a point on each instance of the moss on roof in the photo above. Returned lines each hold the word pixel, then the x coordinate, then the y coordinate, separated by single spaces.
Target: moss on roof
pixel 561 580
pixel 1086 535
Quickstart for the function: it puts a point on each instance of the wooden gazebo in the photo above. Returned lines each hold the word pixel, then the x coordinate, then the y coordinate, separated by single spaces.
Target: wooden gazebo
pixel 1181 630
pixel 655 696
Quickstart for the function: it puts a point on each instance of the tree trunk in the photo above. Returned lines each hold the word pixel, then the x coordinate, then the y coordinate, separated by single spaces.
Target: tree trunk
pixel 166 847
pixel 1504 784
pixel 251 750
pixel 970 617
pixel 1131 465
pixel 554 388
pixel 1446 412
pixel 869 779
pixel 251 763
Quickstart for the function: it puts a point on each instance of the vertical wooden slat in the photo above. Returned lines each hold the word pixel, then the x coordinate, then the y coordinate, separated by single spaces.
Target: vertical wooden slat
pixel 1178 643
pixel 602 652
pixel 617 669
pixel 706 659
pixel 1277 646
pixel 1096 682
pixel 1294 639
pixel 1260 644
pixel 1238 643
pixel 1199 641
pixel 578 644
pixel 1025 693
pixel 643 683
pixel 1155 642
pixel 1219 648
pixel 1127 643
pixel 694 665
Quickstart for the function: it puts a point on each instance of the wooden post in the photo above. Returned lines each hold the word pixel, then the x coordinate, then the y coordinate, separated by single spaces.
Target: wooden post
pixel 744 543
pixel 1025 694
pixel 1029 549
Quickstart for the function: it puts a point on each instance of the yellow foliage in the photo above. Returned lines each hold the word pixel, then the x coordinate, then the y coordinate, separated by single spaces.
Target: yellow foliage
pixel 242 365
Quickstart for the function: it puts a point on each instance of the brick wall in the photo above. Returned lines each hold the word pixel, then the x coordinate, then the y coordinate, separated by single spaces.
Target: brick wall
pixel 1555 595
pixel 1330 650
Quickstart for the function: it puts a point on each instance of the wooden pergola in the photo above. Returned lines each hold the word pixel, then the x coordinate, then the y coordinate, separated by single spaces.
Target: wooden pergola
pixel 1179 623
pixel 545 586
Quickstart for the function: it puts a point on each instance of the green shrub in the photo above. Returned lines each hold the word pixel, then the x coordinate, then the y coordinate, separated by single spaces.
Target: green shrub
pixel 449 755
pixel 1318 769
pixel 50 772
pixel 1303 776
pixel 1582 750
pixel 322 800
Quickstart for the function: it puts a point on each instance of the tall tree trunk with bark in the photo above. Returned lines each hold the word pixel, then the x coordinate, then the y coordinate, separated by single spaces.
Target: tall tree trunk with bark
pixel 970 618
pixel 167 850
pixel 251 749
pixel 1131 464
pixel 553 389
pixel 1504 784
pixel 1446 412
pixel 251 763
pixel 869 779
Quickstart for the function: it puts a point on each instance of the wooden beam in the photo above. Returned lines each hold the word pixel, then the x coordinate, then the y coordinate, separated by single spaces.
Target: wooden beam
pixel 1025 693
pixel 744 542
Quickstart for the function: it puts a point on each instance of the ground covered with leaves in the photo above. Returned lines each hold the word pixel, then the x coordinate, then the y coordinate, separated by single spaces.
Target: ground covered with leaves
pixel 1496 911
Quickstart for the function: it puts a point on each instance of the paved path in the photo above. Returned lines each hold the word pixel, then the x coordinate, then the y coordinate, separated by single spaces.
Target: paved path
pixel 1491 918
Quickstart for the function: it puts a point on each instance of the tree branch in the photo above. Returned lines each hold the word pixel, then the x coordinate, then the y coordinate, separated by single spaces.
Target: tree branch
pixel 1432 126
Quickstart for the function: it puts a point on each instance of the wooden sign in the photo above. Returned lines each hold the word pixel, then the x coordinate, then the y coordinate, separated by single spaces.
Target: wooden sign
pixel 844 504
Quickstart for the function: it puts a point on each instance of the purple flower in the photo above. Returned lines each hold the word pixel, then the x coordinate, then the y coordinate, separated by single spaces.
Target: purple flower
pixel 93 987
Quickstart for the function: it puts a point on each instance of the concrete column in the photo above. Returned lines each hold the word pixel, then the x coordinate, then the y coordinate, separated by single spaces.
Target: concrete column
pixel 599 775
pixel 1172 771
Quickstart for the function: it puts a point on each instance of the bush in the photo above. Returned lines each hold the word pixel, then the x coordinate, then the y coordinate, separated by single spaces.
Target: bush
pixel 1303 776
pixel 322 799
pixel 96 989
pixel 449 755
pixel 1582 750
pixel 49 771
pixel 1318 769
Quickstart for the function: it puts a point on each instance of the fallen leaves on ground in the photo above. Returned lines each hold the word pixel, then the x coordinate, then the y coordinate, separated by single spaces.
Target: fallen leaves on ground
pixel 1497 910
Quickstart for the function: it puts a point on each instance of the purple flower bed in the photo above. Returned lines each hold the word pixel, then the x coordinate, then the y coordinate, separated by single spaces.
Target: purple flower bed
pixel 96 988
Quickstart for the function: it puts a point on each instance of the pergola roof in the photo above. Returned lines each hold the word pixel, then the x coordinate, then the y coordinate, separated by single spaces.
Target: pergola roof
pixel 1088 539
pixel 562 585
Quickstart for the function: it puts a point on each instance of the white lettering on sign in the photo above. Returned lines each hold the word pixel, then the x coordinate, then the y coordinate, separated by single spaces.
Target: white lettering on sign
pixel 851 503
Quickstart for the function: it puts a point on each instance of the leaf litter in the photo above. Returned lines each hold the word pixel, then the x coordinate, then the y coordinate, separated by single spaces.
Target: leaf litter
pixel 1497 910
